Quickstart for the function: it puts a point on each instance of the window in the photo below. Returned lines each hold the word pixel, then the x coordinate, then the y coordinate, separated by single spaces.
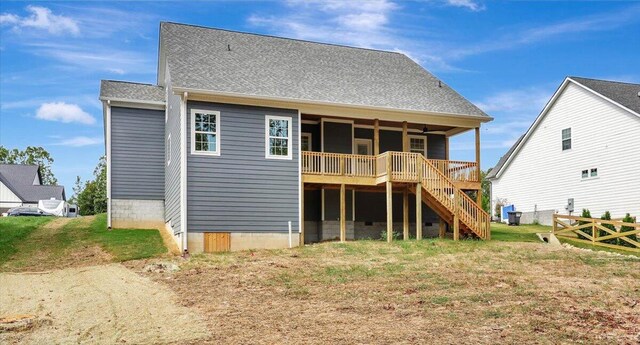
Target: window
pixel 589 173
pixel 306 142
pixel 205 132
pixel 169 150
pixel 278 137
pixel 363 146
pixel 566 139
pixel 418 144
pixel 585 173
pixel 594 172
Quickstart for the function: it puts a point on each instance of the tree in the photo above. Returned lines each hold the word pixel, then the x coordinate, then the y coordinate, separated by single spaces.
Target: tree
pixel 601 233
pixel 91 196
pixel 31 155
pixel 628 219
pixel 486 191
pixel 585 214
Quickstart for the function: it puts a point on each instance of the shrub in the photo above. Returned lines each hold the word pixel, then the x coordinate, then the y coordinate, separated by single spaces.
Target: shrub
pixel 585 214
pixel 628 219
pixel 601 233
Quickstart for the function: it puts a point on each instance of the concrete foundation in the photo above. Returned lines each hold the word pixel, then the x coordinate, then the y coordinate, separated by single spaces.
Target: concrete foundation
pixel 542 217
pixel 137 214
pixel 246 241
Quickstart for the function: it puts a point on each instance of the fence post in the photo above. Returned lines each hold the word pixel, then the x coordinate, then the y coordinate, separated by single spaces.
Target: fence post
pixel 555 224
pixel 593 231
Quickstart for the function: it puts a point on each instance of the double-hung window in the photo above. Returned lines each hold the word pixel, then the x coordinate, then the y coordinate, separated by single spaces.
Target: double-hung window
pixel 205 132
pixel 278 137
pixel 566 139
pixel 418 144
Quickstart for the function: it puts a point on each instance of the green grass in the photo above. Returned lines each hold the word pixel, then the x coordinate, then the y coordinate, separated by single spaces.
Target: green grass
pixel 122 244
pixel 521 233
pixel 15 229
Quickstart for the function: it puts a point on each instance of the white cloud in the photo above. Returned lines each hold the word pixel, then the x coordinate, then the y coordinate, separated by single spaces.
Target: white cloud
pixel 468 4
pixel 79 141
pixel 64 112
pixel 41 18
pixel 522 101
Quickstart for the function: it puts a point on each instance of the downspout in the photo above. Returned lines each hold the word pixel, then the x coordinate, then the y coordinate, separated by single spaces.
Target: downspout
pixel 183 170
pixel 108 149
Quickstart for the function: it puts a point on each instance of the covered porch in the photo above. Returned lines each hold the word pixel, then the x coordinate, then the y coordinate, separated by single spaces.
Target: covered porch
pixel 361 177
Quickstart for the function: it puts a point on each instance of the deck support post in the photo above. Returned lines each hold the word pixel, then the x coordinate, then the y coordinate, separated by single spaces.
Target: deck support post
pixel 343 214
pixel 405 213
pixel 442 228
pixel 405 137
pixel 419 211
pixel 479 191
pixel 376 137
pixel 389 212
pixel 456 227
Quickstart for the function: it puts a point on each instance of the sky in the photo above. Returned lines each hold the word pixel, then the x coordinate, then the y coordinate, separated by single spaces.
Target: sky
pixel 507 57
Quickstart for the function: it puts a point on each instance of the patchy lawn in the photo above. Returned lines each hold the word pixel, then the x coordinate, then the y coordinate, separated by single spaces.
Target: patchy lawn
pixel 15 229
pixel 431 291
pixel 69 242
pixel 521 233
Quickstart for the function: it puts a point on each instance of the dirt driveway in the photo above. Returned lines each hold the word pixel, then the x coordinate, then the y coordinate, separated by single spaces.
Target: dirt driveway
pixel 106 304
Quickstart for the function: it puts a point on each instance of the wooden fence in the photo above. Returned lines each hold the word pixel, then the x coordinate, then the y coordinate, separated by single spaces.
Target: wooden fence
pixel 598 232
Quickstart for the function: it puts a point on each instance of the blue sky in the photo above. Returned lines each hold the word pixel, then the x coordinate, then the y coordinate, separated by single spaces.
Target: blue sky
pixel 506 57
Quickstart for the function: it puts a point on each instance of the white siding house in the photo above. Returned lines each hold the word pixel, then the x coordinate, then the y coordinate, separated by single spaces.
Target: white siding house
pixel 8 199
pixel 584 145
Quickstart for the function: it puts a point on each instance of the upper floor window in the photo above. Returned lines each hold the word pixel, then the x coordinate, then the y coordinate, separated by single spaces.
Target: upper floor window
pixel 278 137
pixel 305 143
pixel 585 173
pixel 205 132
pixel 566 139
pixel 594 172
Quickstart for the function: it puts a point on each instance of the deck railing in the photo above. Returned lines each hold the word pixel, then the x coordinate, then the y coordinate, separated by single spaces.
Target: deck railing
pixel 457 170
pixel 338 164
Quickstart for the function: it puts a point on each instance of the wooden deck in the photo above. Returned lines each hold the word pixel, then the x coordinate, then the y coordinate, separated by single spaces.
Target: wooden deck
pixel 439 183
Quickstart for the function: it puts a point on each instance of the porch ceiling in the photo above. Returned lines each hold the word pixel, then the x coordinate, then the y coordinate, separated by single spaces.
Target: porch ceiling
pixel 383 123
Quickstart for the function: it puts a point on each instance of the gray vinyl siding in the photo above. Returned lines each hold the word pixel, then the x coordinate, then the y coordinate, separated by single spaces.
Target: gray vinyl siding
pixel 436 146
pixel 241 190
pixel 172 171
pixel 137 154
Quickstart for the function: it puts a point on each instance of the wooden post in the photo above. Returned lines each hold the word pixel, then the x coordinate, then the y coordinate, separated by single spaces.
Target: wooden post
pixel 302 214
pixel 456 227
pixel 405 213
pixel 555 225
pixel 405 138
pixel 343 214
pixel 389 212
pixel 376 137
pixel 419 211
pixel 479 191
pixel 442 228
pixel 446 148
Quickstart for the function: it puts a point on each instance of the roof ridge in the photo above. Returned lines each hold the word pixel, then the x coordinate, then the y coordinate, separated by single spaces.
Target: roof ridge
pixel 283 38
pixel 604 80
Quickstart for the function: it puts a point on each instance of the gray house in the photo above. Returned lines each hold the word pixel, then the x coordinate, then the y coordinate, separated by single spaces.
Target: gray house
pixel 253 141
pixel 21 185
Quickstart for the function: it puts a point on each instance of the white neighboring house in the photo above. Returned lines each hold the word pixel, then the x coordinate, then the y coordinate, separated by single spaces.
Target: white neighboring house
pixel 585 146
pixel 21 185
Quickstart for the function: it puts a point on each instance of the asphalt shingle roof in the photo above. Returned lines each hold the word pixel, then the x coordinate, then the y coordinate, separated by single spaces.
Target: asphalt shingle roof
pixel 625 94
pixel 19 179
pixel 123 90
pixel 257 65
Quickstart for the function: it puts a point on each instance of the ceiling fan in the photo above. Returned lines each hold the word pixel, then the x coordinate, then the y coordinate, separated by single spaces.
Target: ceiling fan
pixel 425 131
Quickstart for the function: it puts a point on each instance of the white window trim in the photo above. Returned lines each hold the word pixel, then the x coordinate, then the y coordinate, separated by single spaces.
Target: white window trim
pixel 169 150
pixel 307 135
pixel 421 137
pixel 289 120
pixel 570 138
pixel 368 142
pixel 217 132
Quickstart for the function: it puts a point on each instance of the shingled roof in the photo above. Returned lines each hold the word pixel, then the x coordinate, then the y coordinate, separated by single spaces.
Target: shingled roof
pixel 232 62
pixel 128 91
pixel 20 178
pixel 625 94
